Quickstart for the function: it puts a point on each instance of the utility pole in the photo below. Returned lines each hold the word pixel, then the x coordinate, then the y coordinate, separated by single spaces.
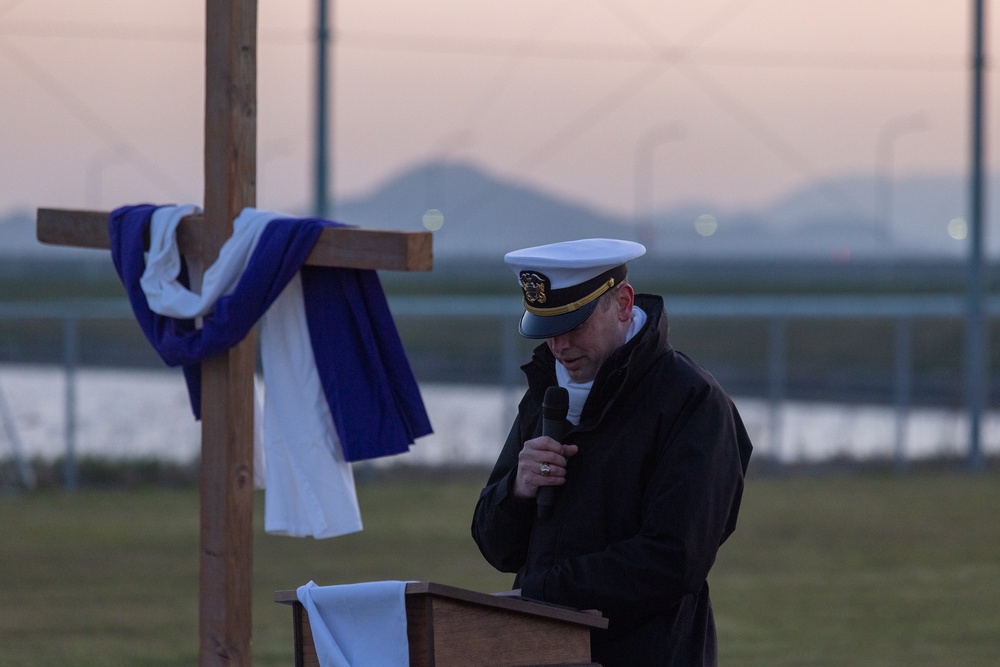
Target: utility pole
pixel 976 364
pixel 321 199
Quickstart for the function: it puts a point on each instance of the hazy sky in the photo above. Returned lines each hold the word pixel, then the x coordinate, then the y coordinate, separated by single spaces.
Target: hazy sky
pixel 731 101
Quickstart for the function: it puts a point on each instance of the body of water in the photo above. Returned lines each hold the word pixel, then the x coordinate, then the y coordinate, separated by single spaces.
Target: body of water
pixel 134 414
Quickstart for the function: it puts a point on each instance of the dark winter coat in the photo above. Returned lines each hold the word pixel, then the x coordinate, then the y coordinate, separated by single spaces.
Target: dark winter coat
pixel 651 495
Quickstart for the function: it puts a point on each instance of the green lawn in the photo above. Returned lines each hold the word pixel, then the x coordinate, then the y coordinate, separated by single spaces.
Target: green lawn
pixel 839 570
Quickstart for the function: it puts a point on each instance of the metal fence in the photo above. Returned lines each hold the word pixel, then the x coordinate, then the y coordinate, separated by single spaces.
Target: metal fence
pixel 778 312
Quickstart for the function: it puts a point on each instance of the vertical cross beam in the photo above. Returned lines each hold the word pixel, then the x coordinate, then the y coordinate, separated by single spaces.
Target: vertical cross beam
pixel 226 554
pixel 226 550
pixel 225 575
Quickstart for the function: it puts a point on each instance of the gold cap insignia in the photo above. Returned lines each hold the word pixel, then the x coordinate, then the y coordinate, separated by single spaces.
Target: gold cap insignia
pixel 535 287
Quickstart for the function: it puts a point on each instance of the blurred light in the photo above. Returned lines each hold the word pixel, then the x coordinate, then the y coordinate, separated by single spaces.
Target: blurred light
pixel 706 224
pixel 958 229
pixel 840 255
pixel 433 219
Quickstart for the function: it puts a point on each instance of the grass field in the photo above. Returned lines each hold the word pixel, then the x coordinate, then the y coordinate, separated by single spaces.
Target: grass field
pixel 857 569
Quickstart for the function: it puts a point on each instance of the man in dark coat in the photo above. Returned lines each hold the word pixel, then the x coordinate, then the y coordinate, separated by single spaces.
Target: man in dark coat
pixel 647 480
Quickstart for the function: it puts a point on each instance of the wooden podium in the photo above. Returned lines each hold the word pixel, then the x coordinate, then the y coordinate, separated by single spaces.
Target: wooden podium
pixel 448 627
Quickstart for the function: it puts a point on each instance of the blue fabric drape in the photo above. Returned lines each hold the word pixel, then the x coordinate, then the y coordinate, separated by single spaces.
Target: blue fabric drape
pixel 367 380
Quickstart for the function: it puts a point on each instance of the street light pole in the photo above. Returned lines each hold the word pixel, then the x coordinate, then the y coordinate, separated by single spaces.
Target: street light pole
pixel 892 130
pixel 645 149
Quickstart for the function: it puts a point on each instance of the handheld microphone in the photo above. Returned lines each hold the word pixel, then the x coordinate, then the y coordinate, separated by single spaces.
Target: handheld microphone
pixel 555 406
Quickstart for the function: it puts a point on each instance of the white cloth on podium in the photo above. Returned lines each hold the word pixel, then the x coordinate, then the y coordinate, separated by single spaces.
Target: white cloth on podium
pixel 310 486
pixel 358 625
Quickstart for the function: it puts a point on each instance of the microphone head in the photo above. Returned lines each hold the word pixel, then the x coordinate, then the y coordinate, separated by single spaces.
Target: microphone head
pixel 555 405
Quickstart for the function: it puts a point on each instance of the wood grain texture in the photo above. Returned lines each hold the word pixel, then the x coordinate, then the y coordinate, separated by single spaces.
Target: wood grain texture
pixel 348 247
pixel 226 563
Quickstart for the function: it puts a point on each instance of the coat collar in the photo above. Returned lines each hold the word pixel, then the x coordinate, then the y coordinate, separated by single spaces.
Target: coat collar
pixel 624 366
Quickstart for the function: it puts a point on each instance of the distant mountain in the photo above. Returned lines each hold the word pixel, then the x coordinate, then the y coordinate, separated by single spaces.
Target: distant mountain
pixel 910 217
pixel 838 219
pixel 483 215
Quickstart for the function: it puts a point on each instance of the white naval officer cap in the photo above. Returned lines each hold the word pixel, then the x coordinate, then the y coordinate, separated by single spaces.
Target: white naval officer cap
pixel 562 281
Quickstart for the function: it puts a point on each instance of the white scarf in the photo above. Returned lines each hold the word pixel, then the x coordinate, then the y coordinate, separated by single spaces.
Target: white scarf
pixel 578 391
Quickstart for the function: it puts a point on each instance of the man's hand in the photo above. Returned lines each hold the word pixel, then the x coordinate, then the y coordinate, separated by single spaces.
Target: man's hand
pixel 542 462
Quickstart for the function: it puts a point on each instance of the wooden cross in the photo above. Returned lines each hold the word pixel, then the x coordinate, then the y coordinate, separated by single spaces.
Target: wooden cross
pixel 227 380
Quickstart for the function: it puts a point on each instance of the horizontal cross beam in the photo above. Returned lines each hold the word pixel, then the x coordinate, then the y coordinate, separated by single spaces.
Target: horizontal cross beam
pixel 347 247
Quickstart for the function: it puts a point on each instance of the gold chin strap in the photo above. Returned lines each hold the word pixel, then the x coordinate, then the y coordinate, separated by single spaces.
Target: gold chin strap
pixel 570 307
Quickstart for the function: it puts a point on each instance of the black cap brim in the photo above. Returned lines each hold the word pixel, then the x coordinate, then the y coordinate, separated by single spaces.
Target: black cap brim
pixel 549 326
